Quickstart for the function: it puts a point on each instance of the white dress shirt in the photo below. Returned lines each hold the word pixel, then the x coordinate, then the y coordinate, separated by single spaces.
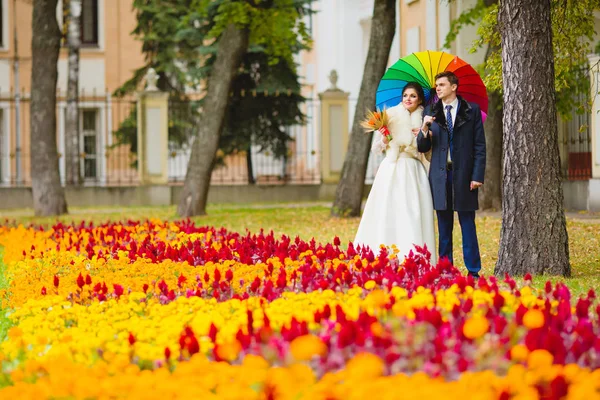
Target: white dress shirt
pixel 454 105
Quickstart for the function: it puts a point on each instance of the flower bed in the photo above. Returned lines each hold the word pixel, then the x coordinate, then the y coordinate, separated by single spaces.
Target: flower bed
pixel 173 309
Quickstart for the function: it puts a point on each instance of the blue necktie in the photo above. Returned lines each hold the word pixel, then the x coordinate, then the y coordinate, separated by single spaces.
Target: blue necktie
pixel 450 127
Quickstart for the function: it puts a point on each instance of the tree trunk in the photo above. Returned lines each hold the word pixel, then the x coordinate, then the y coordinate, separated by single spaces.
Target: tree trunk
pixel 349 191
pixel 72 149
pixel 534 235
pixel 48 194
pixel 232 45
pixel 249 166
pixel 490 194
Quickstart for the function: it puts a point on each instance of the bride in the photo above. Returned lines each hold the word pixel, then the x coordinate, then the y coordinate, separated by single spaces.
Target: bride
pixel 399 209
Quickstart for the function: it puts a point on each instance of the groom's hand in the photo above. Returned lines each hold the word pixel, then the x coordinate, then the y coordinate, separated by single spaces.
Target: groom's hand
pixel 475 185
pixel 427 121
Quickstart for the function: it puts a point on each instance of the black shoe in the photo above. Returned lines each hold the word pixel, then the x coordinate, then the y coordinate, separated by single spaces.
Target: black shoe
pixel 474 275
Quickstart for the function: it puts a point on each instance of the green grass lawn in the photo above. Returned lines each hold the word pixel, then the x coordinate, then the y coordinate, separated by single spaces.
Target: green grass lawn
pixel 313 220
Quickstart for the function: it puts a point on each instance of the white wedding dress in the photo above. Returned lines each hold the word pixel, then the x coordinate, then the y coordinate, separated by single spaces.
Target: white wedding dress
pixel 399 209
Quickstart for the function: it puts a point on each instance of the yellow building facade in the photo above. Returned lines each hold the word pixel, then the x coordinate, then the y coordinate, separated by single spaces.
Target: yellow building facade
pixel 108 57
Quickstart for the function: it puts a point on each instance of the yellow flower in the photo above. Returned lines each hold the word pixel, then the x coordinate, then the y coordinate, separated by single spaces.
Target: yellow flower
pixel 475 327
pixel 533 319
pixel 304 347
pixel 377 298
pixel 370 284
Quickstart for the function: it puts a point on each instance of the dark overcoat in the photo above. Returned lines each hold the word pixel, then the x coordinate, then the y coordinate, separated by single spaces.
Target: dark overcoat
pixel 468 158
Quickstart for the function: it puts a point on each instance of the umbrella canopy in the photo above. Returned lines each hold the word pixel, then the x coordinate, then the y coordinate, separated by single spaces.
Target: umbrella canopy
pixel 422 67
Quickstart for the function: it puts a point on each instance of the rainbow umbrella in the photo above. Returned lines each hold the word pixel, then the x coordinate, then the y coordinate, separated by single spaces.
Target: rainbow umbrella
pixel 422 67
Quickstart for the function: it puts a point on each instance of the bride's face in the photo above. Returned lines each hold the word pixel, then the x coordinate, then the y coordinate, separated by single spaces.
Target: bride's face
pixel 410 99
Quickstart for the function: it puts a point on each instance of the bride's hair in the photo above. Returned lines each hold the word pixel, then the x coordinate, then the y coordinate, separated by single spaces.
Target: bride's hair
pixel 417 88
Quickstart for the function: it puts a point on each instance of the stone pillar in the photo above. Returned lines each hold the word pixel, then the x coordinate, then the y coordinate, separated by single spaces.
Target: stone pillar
pixel 334 130
pixel 594 183
pixel 153 133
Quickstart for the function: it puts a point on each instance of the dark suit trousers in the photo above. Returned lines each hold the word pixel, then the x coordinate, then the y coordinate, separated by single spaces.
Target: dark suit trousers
pixel 469 233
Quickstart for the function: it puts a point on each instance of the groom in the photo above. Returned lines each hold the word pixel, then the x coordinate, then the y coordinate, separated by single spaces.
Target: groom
pixel 453 130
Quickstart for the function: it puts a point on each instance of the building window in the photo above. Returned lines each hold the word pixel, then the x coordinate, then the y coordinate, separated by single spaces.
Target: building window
pixel 88 120
pixel 89 23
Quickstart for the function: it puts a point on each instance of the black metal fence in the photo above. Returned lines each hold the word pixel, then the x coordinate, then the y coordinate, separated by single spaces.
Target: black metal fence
pixel 254 167
pixel 108 146
pixel 108 129
pixel 102 159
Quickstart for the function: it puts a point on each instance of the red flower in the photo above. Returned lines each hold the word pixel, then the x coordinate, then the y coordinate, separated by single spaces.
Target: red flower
pixel 229 275
pixel 131 339
pixel 145 287
pixel 181 280
pixel 80 281
pixel 498 302
pixel 56 281
pixel 255 284
pixel 582 308
pixel 167 353
pixel 188 341
pixel 250 321
pixel 559 388
pixel 163 287
pixel 118 290
pixel 463 365
pixel 510 281
pixel 193 346
pixel 44 291
pixel 212 332
pixel 282 279
pixel 521 310
pixel 504 395
pixel 527 277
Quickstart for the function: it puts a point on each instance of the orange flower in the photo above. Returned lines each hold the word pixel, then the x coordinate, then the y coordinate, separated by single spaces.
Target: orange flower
pixel 475 327
pixel 519 353
pixel 304 347
pixel 533 319
pixel 539 358
pixel 229 351
pixel 365 366
pixel 375 120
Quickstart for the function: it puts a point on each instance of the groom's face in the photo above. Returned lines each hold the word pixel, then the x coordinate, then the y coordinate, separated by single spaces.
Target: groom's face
pixel 444 89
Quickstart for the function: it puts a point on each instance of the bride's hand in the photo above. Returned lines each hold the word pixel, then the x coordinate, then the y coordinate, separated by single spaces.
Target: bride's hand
pixel 416 131
pixel 384 137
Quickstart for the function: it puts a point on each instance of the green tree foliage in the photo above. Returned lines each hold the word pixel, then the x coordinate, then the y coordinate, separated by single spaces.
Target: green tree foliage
pixel 573 32
pixel 179 39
